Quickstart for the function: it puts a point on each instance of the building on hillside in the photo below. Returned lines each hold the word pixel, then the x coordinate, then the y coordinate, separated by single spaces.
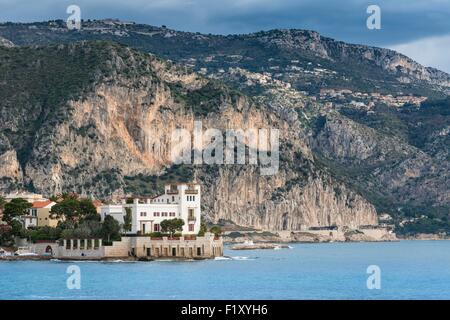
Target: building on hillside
pixel 41 209
pixel 39 215
pixel 29 220
pixel 180 201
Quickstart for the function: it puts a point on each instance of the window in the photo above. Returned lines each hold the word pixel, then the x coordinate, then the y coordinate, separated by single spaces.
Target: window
pixel 173 198
pixel 172 214
pixel 191 228
pixel 156 227
pixel 156 214
pixel 193 198
pixel 191 214
pixel 164 214
pixel 143 214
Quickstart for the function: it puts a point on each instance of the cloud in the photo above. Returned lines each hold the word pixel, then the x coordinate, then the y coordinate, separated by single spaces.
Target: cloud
pixel 432 51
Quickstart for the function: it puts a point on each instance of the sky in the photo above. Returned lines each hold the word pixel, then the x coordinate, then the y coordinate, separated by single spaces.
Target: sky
pixel 418 28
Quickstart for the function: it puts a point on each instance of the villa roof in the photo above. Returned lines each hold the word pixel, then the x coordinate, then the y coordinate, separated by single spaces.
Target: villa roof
pixel 42 204
pixel 97 203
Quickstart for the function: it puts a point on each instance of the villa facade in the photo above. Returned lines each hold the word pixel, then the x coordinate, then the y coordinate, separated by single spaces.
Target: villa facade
pixel 180 201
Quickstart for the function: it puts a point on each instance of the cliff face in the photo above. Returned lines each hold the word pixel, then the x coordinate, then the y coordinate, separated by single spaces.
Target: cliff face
pixel 360 127
pixel 120 127
pixel 405 68
pixel 382 166
pixel 246 198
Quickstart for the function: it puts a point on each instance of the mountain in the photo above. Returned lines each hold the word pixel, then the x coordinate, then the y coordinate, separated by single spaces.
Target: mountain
pixel 304 58
pixel 362 129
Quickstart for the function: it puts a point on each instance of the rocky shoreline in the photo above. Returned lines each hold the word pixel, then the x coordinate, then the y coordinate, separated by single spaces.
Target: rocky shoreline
pixel 309 237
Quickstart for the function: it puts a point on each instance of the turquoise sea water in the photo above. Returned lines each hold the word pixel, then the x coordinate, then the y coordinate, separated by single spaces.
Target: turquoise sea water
pixel 409 270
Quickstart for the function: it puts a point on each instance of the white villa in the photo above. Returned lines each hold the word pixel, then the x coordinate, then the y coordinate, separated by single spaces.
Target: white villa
pixel 178 201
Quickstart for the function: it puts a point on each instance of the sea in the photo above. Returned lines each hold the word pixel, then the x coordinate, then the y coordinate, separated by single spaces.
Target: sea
pixel 382 270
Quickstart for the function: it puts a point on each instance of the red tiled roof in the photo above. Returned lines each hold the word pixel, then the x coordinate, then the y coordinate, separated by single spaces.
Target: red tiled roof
pixel 97 203
pixel 41 204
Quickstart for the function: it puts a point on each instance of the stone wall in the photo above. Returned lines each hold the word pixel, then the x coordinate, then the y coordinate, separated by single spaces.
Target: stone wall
pixel 201 247
pixel 119 249
pixel 206 247
pixel 73 248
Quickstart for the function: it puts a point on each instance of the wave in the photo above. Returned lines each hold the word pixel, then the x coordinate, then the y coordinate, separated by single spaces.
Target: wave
pixel 222 258
pixel 242 258
pixel 227 258
pixel 119 261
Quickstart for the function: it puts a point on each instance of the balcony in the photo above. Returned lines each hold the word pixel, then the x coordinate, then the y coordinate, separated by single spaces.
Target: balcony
pixel 191 191
pixel 173 189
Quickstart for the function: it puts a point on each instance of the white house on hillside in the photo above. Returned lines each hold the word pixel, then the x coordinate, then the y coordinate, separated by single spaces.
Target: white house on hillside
pixel 178 201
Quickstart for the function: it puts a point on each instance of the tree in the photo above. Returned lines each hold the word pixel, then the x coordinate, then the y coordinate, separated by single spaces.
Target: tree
pixel 203 229
pixel 94 226
pixel 127 220
pixel 6 236
pixel 87 208
pixel 74 209
pixel 216 230
pixel 16 228
pixel 110 228
pixel 67 234
pixel 172 225
pixel 67 208
pixel 45 233
pixel 14 209
pixel 2 203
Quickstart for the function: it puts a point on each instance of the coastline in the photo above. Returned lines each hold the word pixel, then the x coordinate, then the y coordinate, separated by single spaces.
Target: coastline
pixel 310 236
pixel 238 246
pixel 94 259
pixel 303 272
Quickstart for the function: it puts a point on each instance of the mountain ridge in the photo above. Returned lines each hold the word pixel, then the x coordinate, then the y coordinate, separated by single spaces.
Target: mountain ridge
pixel 118 131
pixel 365 137
pixel 141 37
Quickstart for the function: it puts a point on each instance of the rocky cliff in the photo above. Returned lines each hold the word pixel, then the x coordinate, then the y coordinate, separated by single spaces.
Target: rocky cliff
pixel 115 125
pixel 361 128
